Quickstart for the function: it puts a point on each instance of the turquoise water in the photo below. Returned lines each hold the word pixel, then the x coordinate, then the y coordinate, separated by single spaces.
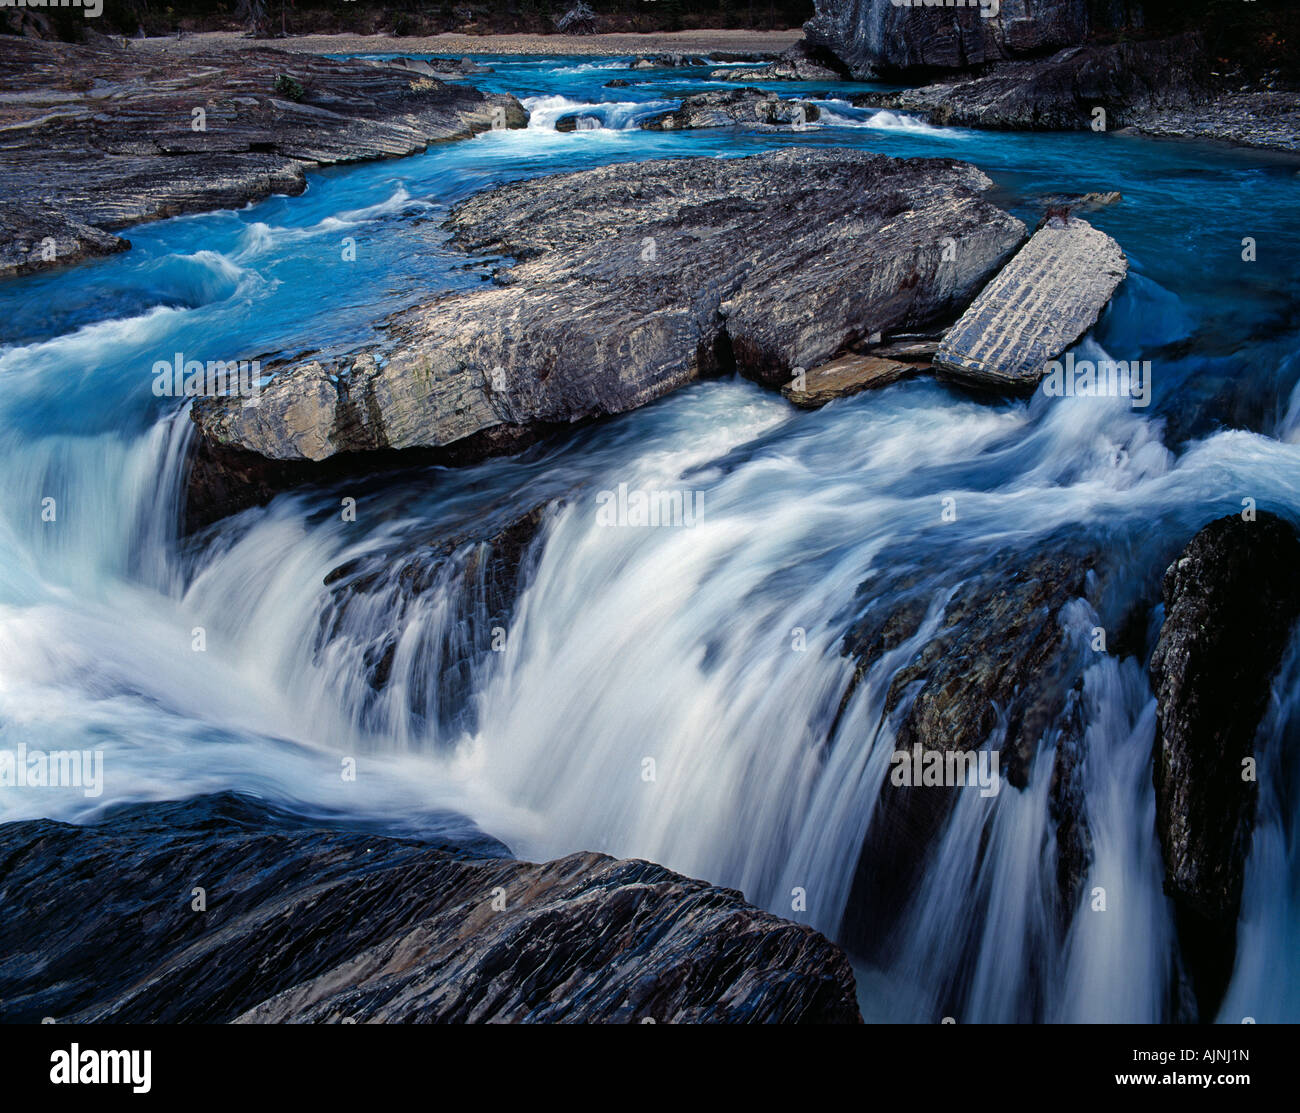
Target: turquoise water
pixel 670 644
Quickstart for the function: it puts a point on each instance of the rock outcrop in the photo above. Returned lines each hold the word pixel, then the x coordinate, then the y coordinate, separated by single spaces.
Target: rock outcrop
pixel 1231 603
pixel 96 138
pixel 311 922
pixel 1039 304
pixel 875 36
pixel 631 281
pixel 1129 81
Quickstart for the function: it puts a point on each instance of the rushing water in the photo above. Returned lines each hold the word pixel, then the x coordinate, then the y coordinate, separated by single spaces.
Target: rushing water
pixel 671 646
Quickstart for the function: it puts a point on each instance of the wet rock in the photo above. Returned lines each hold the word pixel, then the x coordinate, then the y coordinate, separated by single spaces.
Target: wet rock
pixel 106 138
pixel 667 61
pixel 35 239
pixel 377 602
pixel 1063 92
pixel 618 83
pixel 1039 305
pixel 998 665
pixel 630 282
pixel 1231 604
pixel 844 377
pixel 747 107
pixel 800 63
pixel 308 921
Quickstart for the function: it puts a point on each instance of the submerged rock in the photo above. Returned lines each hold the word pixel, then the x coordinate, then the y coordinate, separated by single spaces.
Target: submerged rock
pixel 1040 304
pixel 631 281
pixel 106 138
pixel 308 921
pixel 1231 604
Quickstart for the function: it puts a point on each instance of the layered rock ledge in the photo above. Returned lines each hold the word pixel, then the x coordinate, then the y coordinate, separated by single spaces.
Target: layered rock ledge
pixel 307 922
pixel 630 281
pixel 96 138
pixel 1041 303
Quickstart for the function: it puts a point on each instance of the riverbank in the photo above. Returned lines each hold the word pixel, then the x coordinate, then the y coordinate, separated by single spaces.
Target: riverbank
pixel 655 42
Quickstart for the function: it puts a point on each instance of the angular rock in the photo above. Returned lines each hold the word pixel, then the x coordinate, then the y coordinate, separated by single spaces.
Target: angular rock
pixel 1040 303
pixel 667 61
pixel 35 239
pixel 1129 80
pixel 312 922
pixel 875 36
pixel 747 107
pixel 632 281
pixel 106 137
pixel 1231 603
pixel 800 63
pixel 844 377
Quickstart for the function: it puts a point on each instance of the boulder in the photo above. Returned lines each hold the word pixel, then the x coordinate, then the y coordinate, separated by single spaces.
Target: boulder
pixel 1231 604
pixel 314 922
pixel 630 281
pixel 96 139
pixel 729 107
pixel 800 63
pixel 1040 304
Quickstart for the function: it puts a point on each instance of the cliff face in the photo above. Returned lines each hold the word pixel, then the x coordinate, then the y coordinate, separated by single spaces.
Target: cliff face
pixel 871 36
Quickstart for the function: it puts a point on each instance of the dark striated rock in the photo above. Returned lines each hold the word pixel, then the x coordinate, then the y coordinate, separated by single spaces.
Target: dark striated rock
pixel 631 281
pixel 36 238
pixel 312 922
pixel 747 107
pixel 1040 304
pixel 1000 664
pixel 1129 80
pixel 875 36
pixel 105 138
pixel 1231 604
pixel 844 377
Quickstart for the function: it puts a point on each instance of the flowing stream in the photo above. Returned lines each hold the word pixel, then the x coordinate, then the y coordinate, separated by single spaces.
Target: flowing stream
pixel 670 646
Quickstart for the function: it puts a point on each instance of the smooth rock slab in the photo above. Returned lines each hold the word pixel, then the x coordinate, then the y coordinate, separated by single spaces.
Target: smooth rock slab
pixel 1040 304
pixel 844 377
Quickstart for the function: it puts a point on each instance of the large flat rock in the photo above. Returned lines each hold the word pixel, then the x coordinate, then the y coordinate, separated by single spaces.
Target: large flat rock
pixel 311 922
pixel 96 138
pixel 631 281
pixel 1042 302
